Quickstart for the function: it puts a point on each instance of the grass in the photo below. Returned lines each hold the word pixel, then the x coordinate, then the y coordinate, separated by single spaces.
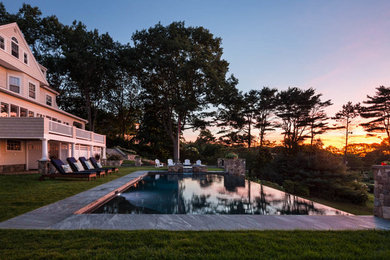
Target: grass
pixel 27 244
pixel 22 193
pixel 356 209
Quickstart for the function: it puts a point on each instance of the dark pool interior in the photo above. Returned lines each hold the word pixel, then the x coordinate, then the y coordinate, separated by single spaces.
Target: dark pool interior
pixel 208 194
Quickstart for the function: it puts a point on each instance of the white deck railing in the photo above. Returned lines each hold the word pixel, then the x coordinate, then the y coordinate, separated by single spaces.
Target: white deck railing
pixel 98 138
pixel 61 129
pixel 83 134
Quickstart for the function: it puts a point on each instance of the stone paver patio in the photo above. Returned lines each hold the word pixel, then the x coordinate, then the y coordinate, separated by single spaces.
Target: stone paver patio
pixel 60 216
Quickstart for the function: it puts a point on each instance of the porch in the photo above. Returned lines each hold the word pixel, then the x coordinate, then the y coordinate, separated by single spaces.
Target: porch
pixel 38 139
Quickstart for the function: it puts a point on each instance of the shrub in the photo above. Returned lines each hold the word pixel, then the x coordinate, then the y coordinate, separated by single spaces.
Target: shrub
pixel 231 156
pixel 296 188
pixel 318 173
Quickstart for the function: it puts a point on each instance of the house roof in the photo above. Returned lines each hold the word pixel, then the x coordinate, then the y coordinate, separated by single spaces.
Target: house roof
pixel 35 71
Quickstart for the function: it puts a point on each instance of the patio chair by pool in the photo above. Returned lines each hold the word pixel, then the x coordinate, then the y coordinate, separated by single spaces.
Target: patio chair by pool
pixel 88 166
pixel 187 162
pixel 65 171
pixel 199 162
pixel 158 163
pixel 77 166
pixel 170 162
pixel 97 165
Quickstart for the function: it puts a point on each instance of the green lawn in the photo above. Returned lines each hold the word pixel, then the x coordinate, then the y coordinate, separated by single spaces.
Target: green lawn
pixel 356 209
pixel 27 244
pixel 22 193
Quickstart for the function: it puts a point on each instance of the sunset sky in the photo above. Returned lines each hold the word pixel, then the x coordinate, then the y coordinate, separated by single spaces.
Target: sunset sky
pixel 340 48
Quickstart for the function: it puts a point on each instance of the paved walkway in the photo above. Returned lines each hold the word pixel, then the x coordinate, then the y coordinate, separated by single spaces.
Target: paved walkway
pixel 60 216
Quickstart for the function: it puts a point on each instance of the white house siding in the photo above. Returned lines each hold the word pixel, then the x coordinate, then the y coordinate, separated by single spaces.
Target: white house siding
pixel 3 78
pixel 12 157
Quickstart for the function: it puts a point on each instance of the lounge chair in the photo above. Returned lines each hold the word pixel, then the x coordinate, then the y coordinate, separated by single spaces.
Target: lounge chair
pixel 170 162
pixel 187 162
pixel 64 170
pixel 88 166
pixel 158 164
pixel 97 165
pixel 77 166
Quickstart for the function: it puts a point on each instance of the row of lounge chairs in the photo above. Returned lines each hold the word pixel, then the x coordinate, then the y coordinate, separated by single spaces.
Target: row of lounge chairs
pixel 83 168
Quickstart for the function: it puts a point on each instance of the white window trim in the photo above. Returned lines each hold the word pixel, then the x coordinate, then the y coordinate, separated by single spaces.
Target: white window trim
pixel 5 43
pixel 19 49
pixel 14 151
pixel 20 81
pixel 28 58
pixel 36 89
pixel 47 95
pixel 9 113
pixel 9 105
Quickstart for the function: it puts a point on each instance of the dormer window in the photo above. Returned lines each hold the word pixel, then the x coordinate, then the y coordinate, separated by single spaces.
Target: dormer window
pixel 15 47
pixel 49 100
pixel 2 43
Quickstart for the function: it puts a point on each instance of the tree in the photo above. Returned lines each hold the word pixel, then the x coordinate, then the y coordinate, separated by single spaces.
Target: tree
pixel 293 108
pixel 317 120
pixel 90 62
pixel 181 72
pixel 240 115
pixel 378 111
pixel 265 108
pixel 348 112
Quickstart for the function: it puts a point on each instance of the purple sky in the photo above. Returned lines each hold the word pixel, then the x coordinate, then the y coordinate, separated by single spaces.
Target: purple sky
pixel 341 48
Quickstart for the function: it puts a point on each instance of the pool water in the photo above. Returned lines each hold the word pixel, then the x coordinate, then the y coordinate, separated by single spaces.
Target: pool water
pixel 208 194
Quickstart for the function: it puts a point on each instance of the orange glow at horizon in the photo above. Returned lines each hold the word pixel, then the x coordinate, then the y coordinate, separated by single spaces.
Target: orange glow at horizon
pixel 331 138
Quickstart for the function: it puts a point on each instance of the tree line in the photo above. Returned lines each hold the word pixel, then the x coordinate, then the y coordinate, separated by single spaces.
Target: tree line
pixel 172 78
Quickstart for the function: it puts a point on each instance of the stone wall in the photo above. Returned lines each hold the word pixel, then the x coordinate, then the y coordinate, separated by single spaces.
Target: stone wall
pixel 382 191
pixel 235 166
pixel 12 168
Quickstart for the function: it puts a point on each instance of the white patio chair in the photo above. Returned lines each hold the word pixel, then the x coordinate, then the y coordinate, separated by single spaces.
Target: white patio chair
pixel 198 162
pixel 170 162
pixel 187 162
pixel 158 164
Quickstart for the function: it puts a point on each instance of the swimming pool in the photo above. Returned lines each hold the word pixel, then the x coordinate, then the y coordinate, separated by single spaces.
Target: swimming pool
pixel 208 194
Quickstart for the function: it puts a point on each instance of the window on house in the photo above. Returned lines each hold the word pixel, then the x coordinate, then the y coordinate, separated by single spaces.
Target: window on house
pixel 14 111
pixel 30 114
pixel 14 145
pixel 48 117
pixel 77 124
pixel 39 115
pixel 4 107
pixel 25 58
pixel 31 90
pixel 14 84
pixel 2 43
pixel 15 47
pixel 23 112
pixel 49 100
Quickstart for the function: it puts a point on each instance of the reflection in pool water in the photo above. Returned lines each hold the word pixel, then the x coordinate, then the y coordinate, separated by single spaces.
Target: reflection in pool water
pixel 209 194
